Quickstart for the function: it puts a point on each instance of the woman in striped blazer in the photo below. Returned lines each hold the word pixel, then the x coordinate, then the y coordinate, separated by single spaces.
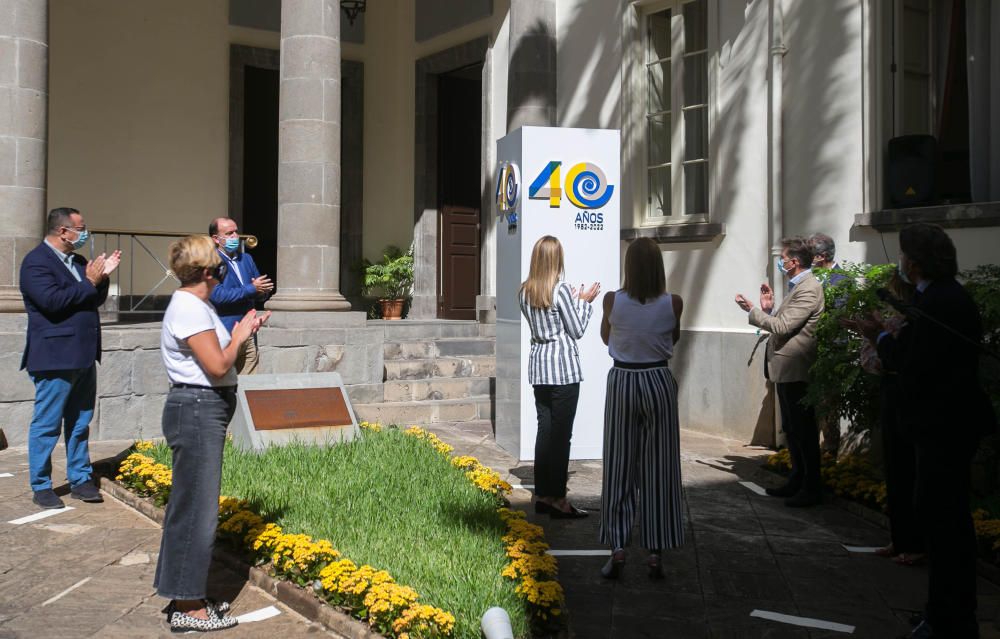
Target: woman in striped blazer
pixel 641 324
pixel 557 315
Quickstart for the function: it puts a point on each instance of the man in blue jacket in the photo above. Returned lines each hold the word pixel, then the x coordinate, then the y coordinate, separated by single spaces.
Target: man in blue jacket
pixel 241 287
pixel 62 292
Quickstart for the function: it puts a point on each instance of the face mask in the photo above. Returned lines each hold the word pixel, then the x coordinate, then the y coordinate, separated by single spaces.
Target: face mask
pixel 780 265
pixel 219 272
pixel 902 267
pixel 81 239
pixel 232 244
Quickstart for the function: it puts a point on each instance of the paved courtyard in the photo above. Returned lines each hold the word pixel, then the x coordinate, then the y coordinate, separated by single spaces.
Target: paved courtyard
pixel 88 572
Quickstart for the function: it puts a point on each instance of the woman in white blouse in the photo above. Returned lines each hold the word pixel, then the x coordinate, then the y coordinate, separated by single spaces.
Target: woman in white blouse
pixel 557 315
pixel 198 353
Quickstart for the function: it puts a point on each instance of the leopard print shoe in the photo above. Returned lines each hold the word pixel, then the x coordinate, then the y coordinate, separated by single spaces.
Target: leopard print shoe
pixel 183 622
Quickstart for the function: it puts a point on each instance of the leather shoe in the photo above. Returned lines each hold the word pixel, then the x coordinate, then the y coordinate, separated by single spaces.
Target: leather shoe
pixel 922 631
pixel 86 492
pixel 784 491
pixel 803 499
pixel 47 498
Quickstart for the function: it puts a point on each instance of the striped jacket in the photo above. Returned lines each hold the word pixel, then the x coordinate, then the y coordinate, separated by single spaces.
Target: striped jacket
pixel 554 358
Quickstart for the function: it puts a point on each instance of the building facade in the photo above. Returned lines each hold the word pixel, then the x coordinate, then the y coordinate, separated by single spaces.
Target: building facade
pixel 742 121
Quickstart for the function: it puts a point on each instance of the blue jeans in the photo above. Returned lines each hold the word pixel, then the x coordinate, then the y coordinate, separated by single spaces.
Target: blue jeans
pixel 194 423
pixel 64 403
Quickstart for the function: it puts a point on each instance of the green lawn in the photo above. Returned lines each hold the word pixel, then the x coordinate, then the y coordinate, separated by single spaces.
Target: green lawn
pixel 390 501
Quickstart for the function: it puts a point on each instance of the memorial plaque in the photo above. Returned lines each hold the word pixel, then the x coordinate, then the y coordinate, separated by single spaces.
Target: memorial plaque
pixel 298 408
pixel 309 408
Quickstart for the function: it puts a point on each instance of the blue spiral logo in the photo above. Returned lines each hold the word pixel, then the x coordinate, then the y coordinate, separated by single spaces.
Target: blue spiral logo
pixel 588 186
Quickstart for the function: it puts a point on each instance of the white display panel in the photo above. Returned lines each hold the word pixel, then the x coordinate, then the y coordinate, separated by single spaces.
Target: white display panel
pixel 577 201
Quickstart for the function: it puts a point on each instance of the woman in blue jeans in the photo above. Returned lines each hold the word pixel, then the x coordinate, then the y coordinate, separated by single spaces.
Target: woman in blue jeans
pixel 557 315
pixel 198 353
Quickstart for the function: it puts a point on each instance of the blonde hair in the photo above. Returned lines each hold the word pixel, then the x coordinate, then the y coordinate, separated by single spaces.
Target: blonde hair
pixel 645 278
pixel 189 256
pixel 543 273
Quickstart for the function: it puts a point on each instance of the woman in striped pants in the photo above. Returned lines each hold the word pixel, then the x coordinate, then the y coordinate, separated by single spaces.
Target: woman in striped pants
pixel 641 324
pixel 557 315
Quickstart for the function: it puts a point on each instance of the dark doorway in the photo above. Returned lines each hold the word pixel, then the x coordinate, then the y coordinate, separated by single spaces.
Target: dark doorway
pixel 253 160
pixel 460 98
pixel 260 165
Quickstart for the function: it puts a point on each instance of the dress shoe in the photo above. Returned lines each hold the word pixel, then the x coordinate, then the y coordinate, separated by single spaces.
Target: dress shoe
pixel 784 491
pixel 803 499
pixel 654 565
pixel 47 498
pixel 922 631
pixel 572 513
pixel 86 492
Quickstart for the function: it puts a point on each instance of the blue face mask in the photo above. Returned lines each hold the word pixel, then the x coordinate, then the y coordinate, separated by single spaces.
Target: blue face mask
pixel 780 265
pixel 232 244
pixel 81 239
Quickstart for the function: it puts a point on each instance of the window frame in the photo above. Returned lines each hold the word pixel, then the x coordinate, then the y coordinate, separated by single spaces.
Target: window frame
pixel 635 148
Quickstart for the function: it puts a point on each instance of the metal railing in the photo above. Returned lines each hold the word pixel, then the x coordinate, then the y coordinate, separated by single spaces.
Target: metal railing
pixel 130 283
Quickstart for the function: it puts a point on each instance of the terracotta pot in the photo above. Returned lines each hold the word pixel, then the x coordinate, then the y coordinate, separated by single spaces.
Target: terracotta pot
pixel 391 309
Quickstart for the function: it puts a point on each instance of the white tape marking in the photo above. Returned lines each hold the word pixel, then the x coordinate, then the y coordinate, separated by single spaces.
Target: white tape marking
pixel 41 515
pixel 861 549
pixel 6 475
pixel 259 615
pixel 66 592
pixel 524 486
pixel 749 485
pixel 804 622
pixel 578 553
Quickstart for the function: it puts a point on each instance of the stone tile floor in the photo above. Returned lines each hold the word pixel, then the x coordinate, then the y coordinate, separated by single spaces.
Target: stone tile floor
pixel 743 553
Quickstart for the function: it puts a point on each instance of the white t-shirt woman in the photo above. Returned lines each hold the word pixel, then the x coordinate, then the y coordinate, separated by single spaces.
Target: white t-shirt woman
pixel 189 315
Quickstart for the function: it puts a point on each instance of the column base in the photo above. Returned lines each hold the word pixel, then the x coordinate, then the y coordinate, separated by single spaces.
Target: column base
pixel 308 302
pixel 11 300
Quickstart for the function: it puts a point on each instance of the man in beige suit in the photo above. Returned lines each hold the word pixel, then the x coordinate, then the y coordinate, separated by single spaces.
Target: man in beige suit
pixel 791 351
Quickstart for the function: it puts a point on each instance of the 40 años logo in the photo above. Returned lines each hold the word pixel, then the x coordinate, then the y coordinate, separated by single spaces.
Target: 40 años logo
pixel 587 188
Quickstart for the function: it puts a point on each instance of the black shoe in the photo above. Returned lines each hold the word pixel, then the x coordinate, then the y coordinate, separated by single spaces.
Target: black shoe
pixel 784 491
pixel 922 631
pixel 87 492
pixel 654 565
pixel 47 498
pixel 804 499
pixel 572 513
pixel 543 507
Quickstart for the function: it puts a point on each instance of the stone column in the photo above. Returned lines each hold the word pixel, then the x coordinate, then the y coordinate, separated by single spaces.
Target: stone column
pixel 531 72
pixel 308 277
pixel 24 70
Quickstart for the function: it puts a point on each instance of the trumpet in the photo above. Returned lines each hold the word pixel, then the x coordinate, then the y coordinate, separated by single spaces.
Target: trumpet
pixel 249 241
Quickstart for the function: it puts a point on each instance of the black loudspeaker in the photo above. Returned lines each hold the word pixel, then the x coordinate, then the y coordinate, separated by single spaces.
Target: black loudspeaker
pixel 910 170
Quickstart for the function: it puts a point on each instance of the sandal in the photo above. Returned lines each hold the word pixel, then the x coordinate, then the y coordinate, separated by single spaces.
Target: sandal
pixel 654 565
pixel 616 563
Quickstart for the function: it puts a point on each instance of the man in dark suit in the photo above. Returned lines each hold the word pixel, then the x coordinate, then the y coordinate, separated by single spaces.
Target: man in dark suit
pixel 946 412
pixel 239 290
pixel 62 292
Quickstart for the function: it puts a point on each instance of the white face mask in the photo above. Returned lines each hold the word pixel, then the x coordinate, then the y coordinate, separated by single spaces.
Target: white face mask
pixel 903 267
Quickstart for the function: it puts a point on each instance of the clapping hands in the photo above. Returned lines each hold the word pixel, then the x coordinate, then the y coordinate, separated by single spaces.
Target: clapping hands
pixel 588 295
pixel 102 266
pixel 249 325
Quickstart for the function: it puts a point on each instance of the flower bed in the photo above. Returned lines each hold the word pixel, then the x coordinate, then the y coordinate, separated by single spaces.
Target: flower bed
pixel 531 594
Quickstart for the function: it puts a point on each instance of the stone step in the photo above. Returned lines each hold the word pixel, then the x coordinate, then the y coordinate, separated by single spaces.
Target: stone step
pixel 439 347
pixel 426 329
pixel 426 412
pixel 428 368
pixel 410 390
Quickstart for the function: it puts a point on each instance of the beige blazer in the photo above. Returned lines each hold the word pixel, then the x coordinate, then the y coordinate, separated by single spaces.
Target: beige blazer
pixel 791 348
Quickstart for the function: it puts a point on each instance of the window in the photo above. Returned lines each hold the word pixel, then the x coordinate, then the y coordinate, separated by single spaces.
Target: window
pixel 674 92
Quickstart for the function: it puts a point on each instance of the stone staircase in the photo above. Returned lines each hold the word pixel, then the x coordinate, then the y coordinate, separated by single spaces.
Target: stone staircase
pixel 435 373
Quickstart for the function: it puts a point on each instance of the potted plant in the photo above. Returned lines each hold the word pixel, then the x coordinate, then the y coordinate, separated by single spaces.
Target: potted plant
pixel 390 279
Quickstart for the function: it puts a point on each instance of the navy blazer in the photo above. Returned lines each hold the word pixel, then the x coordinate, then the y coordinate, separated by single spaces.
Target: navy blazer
pixel 64 328
pixel 232 300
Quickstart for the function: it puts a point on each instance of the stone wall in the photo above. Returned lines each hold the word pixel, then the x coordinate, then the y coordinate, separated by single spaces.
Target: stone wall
pixel 132 383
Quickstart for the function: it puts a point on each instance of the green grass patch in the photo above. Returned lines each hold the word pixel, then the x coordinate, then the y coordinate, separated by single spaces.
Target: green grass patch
pixel 391 501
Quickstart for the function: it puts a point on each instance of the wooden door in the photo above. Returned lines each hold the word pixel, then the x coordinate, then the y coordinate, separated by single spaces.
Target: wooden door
pixel 459 252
